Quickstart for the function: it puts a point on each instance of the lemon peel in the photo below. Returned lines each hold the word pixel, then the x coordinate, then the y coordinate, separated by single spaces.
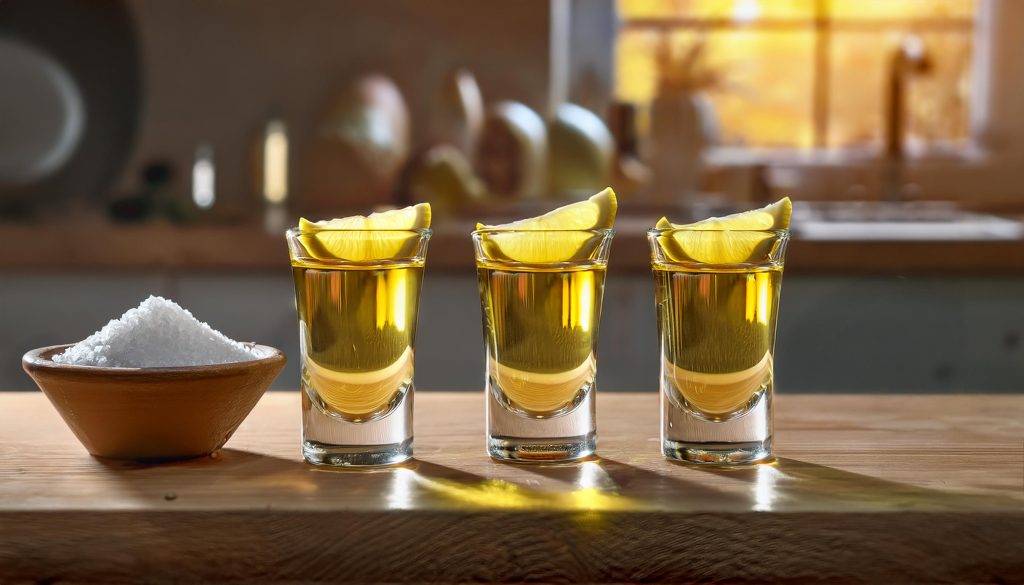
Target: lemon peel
pixel 732 239
pixel 563 233
pixel 378 236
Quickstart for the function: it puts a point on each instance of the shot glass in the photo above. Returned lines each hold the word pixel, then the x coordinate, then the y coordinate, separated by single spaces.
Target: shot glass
pixel 357 333
pixel 716 324
pixel 541 319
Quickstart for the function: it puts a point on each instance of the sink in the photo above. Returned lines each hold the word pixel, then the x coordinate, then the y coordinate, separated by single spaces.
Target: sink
pixel 904 221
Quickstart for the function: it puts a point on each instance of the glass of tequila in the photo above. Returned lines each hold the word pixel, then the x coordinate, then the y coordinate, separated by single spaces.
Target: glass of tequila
pixel 357 331
pixel 716 324
pixel 541 322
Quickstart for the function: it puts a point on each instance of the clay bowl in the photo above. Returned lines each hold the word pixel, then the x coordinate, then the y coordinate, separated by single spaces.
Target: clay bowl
pixel 153 414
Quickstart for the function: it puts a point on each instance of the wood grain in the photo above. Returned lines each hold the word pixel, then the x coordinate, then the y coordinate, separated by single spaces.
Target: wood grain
pixel 867 489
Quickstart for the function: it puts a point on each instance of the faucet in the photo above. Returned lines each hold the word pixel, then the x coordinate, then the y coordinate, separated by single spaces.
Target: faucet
pixel 908 59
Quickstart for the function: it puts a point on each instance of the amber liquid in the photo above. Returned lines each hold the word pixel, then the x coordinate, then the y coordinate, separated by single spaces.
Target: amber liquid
pixel 718 336
pixel 357 328
pixel 540 328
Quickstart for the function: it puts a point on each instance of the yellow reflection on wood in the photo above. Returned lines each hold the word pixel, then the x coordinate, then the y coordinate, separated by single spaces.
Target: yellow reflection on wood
pixel 497 493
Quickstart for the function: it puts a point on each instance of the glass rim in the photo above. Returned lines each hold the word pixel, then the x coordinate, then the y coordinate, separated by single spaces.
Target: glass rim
pixel 375 263
pixel 296 231
pixel 775 232
pixel 498 230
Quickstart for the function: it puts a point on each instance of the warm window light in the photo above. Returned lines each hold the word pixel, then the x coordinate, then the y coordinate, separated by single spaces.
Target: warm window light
pixel 805 74
pixel 746 11
pixel 275 162
pixel 203 178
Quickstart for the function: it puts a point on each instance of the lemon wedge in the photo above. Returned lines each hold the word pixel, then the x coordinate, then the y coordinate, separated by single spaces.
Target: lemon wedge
pixel 562 233
pixel 732 239
pixel 379 236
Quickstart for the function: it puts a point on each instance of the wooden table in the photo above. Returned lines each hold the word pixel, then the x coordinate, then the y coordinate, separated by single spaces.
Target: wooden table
pixel 880 489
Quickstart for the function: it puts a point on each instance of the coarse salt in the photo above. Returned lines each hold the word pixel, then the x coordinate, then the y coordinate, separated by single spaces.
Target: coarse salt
pixel 158 333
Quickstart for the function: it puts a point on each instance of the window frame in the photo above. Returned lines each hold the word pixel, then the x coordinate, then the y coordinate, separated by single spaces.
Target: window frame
pixel 822 25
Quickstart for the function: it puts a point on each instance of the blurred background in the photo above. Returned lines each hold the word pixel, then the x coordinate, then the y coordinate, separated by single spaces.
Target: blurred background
pixel 162 148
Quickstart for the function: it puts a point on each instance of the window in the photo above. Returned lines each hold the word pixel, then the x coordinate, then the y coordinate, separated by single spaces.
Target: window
pixel 806 73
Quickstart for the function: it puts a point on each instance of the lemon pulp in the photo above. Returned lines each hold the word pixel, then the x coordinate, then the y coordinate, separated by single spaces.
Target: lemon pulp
pixel 378 236
pixel 562 233
pixel 732 239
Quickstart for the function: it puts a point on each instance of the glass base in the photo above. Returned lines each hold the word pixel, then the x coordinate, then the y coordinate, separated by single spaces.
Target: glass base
pixel 363 455
pixel 558 450
pixel 719 453
pixel 568 436
pixel 330 440
pixel 737 440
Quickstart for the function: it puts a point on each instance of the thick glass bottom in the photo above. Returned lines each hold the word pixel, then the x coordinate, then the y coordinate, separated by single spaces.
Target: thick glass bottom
pixel 553 450
pixel 739 439
pixel 567 436
pixel 330 440
pixel 362 455
pixel 719 453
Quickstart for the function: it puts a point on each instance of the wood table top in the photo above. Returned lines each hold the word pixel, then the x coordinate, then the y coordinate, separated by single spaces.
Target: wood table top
pixel 910 488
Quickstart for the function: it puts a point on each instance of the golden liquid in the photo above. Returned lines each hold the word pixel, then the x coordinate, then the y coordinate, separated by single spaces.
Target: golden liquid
pixel 357 328
pixel 540 327
pixel 718 335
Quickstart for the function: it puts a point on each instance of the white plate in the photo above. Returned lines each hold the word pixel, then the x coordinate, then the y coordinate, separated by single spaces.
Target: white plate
pixel 42 111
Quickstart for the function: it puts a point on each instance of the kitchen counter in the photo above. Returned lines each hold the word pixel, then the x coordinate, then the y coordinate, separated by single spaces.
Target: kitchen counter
pixel 160 246
pixel 908 489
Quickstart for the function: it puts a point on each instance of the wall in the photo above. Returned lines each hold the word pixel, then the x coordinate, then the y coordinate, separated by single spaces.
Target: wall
pixel 591 38
pixel 998 119
pixel 215 69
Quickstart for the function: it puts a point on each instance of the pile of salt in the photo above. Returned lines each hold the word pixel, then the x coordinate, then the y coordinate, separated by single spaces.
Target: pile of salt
pixel 157 333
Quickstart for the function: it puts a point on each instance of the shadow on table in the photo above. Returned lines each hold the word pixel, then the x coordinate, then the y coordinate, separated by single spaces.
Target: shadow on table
pixel 652 489
pixel 231 477
pixel 788 484
pixel 245 479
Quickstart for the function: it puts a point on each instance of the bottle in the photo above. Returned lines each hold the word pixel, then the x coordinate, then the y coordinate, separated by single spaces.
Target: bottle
pixel 630 176
pixel 274 175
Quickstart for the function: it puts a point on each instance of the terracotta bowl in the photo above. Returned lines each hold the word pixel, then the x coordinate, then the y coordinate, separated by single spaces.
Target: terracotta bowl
pixel 153 414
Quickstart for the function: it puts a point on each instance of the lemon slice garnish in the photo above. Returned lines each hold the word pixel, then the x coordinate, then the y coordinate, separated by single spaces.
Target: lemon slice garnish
pixel 732 239
pixel 562 232
pixel 378 236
